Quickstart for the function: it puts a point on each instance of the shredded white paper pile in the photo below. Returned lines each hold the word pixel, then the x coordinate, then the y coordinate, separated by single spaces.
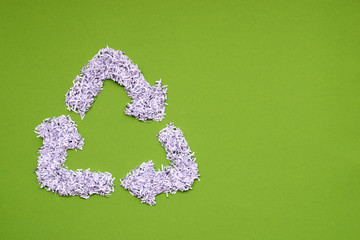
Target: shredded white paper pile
pixel 148 102
pixel 59 135
pixel 145 183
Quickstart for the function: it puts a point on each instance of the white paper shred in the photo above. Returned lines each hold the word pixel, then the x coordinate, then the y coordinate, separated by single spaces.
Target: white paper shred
pixel 59 135
pixel 145 183
pixel 148 102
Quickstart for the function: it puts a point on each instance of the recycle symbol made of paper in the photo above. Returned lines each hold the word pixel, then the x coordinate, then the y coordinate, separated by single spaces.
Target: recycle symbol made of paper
pixel 148 103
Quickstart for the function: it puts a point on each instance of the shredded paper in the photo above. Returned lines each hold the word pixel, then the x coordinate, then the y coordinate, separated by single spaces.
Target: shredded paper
pixel 148 102
pixel 59 135
pixel 145 183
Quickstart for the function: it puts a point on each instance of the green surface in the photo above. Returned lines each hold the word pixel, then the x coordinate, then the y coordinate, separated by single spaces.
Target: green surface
pixel 267 94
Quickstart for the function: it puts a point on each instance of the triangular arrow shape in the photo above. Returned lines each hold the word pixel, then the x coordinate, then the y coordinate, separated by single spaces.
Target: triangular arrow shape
pixel 148 102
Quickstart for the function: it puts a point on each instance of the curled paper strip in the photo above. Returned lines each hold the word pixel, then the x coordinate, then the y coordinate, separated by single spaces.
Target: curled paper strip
pixel 59 135
pixel 148 102
pixel 145 183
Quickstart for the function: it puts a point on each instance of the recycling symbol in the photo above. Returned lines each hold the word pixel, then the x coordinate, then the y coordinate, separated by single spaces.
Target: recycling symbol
pixel 148 103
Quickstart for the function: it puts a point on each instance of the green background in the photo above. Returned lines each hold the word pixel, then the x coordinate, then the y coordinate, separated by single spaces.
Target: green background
pixel 266 93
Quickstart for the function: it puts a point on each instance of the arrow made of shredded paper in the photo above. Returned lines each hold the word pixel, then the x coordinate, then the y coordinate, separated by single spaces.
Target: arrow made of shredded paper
pixel 59 135
pixel 148 102
pixel 145 183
